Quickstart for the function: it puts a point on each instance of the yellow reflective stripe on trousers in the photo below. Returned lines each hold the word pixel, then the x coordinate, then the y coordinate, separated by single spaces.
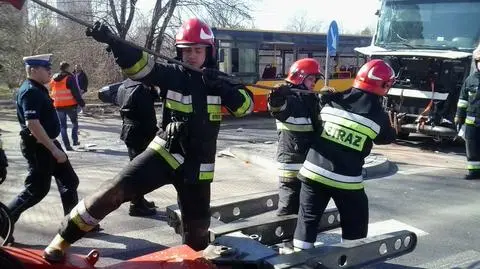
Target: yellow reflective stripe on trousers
pixel 174 105
pixel 140 68
pixel 287 173
pixel 294 127
pixel 156 145
pixel 206 171
pixel 344 136
pixel 470 120
pixel 349 124
pixel 246 107
pixel 462 103
pixel 473 165
pixel 329 182
pixel 214 108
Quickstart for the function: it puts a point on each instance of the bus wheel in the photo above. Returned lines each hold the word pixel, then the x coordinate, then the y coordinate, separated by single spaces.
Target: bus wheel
pixel 6 226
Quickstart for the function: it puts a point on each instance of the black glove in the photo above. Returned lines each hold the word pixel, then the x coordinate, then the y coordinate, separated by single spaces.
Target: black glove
pixel 101 33
pixel 177 133
pixel 278 96
pixel 213 80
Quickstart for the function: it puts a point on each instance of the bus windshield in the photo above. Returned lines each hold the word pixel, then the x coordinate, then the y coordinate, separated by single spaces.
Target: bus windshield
pixel 429 24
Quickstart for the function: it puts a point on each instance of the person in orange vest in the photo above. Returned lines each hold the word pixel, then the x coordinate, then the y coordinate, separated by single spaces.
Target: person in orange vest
pixel 66 98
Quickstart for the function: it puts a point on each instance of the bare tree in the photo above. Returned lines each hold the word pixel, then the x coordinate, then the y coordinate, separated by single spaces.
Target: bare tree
pixel 368 31
pixel 122 22
pixel 218 13
pixel 300 23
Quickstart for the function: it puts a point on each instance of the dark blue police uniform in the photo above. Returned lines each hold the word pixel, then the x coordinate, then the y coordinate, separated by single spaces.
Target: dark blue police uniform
pixel 34 103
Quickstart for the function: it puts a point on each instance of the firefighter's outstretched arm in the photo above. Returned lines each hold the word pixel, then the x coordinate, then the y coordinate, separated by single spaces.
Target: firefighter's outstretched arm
pixel 135 63
pixel 235 97
pixel 280 102
pixel 387 133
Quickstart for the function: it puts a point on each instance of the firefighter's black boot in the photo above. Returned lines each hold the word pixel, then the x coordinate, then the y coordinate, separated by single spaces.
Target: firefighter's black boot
pixel 141 210
pixel 472 176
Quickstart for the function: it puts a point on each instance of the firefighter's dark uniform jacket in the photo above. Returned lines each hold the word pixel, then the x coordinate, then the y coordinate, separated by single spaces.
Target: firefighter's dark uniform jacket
pixel 468 112
pixel 136 102
pixel 350 123
pixel 186 98
pixel 295 126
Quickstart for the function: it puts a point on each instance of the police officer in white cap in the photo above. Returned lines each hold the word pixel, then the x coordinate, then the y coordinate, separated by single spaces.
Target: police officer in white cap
pixel 39 128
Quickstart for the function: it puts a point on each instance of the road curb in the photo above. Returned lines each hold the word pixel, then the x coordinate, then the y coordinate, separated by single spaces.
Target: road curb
pixel 377 165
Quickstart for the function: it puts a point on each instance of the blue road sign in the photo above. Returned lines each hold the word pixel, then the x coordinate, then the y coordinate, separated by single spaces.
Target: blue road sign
pixel 332 38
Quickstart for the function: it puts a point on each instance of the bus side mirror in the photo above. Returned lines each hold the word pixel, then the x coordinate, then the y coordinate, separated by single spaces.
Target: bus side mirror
pixel 377 13
pixel 221 56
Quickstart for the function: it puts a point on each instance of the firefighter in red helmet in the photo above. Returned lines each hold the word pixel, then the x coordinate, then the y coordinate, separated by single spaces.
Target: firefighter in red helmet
pixel 295 115
pixel 350 123
pixel 180 154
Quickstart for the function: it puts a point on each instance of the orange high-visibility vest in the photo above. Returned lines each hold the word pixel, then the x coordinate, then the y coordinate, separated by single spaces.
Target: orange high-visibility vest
pixel 61 95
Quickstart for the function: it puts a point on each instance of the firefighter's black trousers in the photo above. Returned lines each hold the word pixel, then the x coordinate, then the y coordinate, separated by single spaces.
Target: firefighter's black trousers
pixel 145 173
pixel 472 145
pixel 134 151
pixel 41 167
pixel 314 197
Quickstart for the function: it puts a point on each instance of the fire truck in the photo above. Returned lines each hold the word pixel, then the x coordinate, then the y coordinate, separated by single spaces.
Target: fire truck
pixel 429 44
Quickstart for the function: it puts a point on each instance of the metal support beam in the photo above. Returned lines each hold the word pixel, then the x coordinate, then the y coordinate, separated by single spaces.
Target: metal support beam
pixel 354 254
pixel 272 229
pixel 230 209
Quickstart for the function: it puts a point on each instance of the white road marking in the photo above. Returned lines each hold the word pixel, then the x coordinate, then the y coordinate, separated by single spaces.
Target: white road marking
pixel 420 170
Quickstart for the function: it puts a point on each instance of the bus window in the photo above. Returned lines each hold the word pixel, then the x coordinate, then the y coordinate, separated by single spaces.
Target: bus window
pixel 269 65
pixel 246 61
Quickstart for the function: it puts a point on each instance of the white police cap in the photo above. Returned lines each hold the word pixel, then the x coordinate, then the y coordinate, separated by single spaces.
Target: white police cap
pixel 38 60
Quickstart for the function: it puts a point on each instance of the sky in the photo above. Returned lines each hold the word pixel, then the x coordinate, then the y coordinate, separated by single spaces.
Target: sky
pixel 351 15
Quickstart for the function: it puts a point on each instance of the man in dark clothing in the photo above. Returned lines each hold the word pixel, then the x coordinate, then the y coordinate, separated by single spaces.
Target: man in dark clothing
pixel 39 128
pixel 295 114
pixel 468 113
pixel 183 152
pixel 350 123
pixel 81 79
pixel 136 101
pixel 66 98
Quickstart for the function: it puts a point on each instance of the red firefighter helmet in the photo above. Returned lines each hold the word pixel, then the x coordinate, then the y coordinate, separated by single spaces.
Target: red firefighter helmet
pixel 302 69
pixel 196 32
pixel 376 77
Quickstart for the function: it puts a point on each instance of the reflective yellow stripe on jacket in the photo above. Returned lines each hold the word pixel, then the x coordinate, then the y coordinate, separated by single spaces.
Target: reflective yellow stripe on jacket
pixel 329 178
pixel 347 129
pixel 247 106
pixel 141 68
pixel 174 160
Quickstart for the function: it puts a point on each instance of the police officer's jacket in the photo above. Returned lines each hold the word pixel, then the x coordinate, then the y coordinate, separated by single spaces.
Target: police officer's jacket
pixel 295 122
pixel 350 123
pixel 185 98
pixel 468 107
pixel 34 103
pixel 136 102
